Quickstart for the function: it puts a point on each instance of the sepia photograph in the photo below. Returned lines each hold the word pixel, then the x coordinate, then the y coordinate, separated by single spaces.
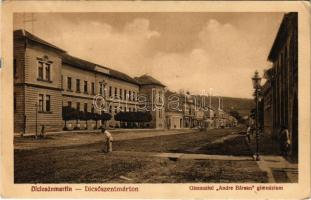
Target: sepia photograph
pixel 155 97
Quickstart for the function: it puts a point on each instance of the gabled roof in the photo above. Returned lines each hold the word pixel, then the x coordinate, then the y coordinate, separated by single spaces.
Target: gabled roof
pixel 25 34
pixel 148 80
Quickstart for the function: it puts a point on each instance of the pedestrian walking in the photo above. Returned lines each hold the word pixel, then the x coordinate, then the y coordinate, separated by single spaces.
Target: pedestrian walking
pixel 42 134
pixel 108 141
pixel 248 133
pixel 284 141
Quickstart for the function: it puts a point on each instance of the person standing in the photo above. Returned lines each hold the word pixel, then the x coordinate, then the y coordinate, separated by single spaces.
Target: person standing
pixel 108 140
pixel 248 133
pixel 285 141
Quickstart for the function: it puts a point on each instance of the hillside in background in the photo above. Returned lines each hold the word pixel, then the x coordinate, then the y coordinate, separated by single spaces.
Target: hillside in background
pixel 242 105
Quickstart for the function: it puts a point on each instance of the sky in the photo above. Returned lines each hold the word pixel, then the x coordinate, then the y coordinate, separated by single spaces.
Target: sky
pixel 195 52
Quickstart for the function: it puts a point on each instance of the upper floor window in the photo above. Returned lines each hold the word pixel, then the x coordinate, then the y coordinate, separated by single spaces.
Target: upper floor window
pixel 115 92
pixel 69 86
pixel 85 107
pixel 85 87
pixel 125 97
pixel 130 95
pixel 69 104
pixel 110 91
pixel 15 68
pixel 40 70
pixel 93 88
pixel 47 71
pixel 44 69
pixel 100 88
pixel 78 85
pixel 120 93
pixel 78 106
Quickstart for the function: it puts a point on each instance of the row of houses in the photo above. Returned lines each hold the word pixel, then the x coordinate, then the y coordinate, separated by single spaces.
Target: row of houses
pixel 47 78
pixel 280 91
pixel 184 110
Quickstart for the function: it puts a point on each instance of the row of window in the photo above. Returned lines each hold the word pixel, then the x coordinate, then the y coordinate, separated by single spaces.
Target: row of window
pixel 120 93
pixel 78 86
pixel 112 109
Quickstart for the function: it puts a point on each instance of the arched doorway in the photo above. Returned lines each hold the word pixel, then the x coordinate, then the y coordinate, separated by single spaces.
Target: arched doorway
pixel 295 127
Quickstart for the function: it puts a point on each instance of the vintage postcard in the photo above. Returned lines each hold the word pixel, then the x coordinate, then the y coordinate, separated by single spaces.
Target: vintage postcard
pixel 184 99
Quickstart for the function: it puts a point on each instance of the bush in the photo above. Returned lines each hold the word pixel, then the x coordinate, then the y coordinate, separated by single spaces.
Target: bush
pixel 133 117
pixel 68 113
pixel 105 116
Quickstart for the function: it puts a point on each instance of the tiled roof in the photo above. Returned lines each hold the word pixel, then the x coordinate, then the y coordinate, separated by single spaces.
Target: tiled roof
pixel 74 61
pixel 122 76
pixel 86 65
pixel 77 62
pixel 26 34
pixel 148 80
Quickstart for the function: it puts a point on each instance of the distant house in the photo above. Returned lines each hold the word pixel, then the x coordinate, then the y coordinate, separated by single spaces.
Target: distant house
pixel 173 110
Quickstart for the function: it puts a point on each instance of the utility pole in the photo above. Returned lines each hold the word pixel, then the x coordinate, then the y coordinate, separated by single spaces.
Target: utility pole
pixel 210 98
pixel 219 103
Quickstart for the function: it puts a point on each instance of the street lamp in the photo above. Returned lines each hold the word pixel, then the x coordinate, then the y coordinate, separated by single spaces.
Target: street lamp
pixel 256 85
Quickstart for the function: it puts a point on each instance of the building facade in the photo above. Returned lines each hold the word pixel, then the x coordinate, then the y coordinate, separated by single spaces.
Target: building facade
pixel 282 92
pixel 46 79
pixel 37 84
pixel 151 92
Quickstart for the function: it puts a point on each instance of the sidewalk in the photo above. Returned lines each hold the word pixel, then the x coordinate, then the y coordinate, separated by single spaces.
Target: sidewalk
pixel 182 156
pixel 277 167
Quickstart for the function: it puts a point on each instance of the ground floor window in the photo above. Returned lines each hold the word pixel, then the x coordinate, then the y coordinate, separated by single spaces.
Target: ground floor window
pixel 40 107
pixel 48 103
pixel 44 103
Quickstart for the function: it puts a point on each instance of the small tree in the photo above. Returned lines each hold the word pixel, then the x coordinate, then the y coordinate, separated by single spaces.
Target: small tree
pixel 144 117
pixel 68 113
pixel 130 117
pixel 105 117
pixel 79 115
pixel 96 117
pixel 86 116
